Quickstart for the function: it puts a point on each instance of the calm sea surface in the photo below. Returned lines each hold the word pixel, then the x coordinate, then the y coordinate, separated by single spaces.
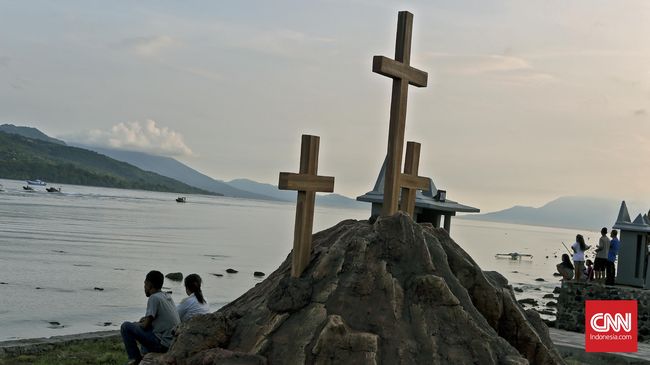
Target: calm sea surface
pixel 55 249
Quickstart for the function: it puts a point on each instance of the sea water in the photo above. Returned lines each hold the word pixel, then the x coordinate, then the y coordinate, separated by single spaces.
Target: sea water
pixel 75 261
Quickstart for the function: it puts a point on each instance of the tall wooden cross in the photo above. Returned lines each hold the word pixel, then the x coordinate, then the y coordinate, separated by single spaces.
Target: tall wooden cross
pixel 410 182
pixel 307 183
pixel 402 74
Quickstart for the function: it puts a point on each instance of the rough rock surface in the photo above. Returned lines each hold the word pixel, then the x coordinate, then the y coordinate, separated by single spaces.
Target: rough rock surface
pixel 391 292
pixel 175 276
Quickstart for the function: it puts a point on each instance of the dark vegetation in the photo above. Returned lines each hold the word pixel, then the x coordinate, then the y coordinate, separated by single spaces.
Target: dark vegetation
pixel 25 158
pixel 108 351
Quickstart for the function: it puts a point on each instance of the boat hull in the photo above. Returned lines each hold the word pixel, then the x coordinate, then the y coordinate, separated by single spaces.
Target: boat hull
pixel 36 182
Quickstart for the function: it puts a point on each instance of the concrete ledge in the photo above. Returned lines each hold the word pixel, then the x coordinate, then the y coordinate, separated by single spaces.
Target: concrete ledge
pixel 569 344
pixel 572 344
pixel 39 345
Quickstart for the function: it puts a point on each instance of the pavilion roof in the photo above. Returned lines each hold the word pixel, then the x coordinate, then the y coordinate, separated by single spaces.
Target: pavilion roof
pixel 426 200
pixel 623 222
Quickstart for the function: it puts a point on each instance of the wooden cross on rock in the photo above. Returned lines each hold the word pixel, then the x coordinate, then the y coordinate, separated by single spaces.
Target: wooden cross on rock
pixel 409 180
pixel 307 183
pixel 402 74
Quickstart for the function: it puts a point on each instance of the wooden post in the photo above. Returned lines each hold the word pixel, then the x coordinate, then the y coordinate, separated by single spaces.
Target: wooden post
pixel 307 183
pixel 402 74
pixel 409 180
pixel 448 223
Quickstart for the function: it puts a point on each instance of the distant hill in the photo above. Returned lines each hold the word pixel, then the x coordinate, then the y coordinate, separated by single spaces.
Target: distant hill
pixel 174 169
pixel 570 212
pixel 29 132
pixel 333 200
pixel 238 188
pixel 24 158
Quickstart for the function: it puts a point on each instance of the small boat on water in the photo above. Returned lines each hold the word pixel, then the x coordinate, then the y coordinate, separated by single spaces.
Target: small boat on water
pixel 28 188
pixel 53 190
pixel 181 199
pixel 2 188
pixel 513 255
pixel 36 182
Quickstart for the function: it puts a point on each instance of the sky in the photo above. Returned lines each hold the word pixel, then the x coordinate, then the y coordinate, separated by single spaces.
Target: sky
pixel 526 101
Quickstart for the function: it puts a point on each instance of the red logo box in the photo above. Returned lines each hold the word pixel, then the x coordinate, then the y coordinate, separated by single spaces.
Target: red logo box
pixel 611 326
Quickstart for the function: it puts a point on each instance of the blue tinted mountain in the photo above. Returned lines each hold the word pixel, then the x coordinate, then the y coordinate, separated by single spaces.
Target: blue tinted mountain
pixel 570 212
pixel 170 167
pixel 335 200
pixel 29 132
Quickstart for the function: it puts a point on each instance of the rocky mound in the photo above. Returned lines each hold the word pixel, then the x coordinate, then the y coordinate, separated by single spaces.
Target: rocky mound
pixel 390 292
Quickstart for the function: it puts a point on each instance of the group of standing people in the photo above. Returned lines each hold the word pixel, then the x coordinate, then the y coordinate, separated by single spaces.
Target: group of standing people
pixel 155 331
pixel 602 269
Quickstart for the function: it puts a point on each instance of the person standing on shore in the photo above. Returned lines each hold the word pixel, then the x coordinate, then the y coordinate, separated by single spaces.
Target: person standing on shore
pixel 614 245
pixel 579 248
pixel 602 252
pixel 154 330
pixel 195 303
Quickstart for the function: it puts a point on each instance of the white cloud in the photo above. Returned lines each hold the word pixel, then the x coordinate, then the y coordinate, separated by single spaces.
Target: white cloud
pixel 148 46
pixel 496 63
pixel 202 73
pixel 282 42
pixel 135 136
pixel 506 68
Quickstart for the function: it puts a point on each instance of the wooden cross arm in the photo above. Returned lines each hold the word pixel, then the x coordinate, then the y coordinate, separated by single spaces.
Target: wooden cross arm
pixel 414 182
pixel 397 70
pixel 304 182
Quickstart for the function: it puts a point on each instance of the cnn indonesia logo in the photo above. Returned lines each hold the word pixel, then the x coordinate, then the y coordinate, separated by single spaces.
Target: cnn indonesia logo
pixel 611 326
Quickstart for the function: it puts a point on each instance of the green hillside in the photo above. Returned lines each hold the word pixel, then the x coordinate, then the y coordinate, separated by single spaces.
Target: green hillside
pixel 25 158
pixel 28 132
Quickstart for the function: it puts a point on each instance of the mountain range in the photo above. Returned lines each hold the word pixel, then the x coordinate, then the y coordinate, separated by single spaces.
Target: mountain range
pixel 173 169
pixel 23 158
pixel 591 213
pixel 238 188
pixel 58 162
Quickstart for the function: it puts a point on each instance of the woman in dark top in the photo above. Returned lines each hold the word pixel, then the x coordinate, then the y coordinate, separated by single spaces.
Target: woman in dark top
pixel 565 268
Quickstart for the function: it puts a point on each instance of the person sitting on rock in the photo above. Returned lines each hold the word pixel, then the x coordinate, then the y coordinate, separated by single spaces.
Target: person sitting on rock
pixel 565 268
pixel 154 330
pixel 195 303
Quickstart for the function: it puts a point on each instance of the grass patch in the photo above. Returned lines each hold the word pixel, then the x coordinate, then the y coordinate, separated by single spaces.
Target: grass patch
pixel 92 352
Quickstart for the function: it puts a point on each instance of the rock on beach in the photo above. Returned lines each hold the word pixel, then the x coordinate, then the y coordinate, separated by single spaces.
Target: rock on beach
pixel 388 292
pixel 530 301
pixel 175 276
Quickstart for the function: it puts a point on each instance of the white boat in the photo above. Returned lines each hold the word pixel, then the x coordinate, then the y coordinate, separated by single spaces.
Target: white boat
pixel 2 188
pixel 36 182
